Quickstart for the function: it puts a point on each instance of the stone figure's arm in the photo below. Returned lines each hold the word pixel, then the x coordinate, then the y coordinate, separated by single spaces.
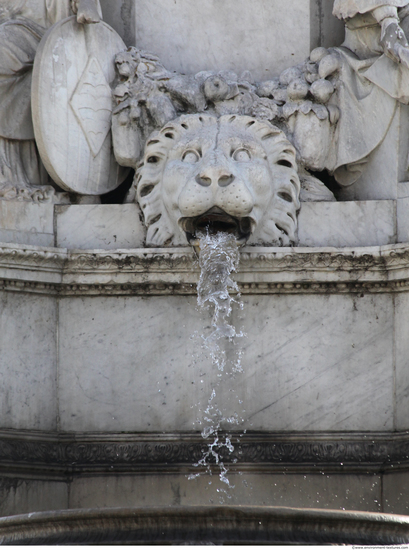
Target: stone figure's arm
pixel 346 9
pixel 393 39
pixel 86 10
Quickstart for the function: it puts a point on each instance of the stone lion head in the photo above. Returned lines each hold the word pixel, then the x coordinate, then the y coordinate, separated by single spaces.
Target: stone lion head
pixel 235 174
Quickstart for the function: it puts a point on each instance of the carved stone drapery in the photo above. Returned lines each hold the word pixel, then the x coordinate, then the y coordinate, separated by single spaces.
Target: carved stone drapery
pixel 22 25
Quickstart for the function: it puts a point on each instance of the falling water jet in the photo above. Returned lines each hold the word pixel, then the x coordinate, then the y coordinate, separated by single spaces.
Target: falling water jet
pixel 218 259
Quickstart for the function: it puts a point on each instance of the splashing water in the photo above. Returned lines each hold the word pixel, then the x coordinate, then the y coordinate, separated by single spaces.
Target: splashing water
pixel 218 258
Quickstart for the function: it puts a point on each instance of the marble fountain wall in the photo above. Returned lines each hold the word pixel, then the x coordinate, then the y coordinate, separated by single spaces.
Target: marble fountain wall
pixel 99 393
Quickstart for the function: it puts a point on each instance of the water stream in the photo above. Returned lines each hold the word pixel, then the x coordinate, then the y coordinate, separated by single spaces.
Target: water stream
pixel 217 293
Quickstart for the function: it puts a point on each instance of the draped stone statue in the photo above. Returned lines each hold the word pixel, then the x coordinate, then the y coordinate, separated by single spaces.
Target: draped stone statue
pixel 373 76
pixel 22 25
pixel 360 84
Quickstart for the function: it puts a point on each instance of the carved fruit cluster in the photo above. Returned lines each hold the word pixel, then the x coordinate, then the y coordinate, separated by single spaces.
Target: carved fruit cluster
pixel 306 87
pixel 149 96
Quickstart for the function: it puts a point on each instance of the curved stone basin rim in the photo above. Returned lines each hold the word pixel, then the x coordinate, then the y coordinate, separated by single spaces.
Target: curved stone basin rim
pixel 215 524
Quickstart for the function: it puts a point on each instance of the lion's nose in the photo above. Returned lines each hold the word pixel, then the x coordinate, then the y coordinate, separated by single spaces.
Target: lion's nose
pixel 214 176
pixel 226 180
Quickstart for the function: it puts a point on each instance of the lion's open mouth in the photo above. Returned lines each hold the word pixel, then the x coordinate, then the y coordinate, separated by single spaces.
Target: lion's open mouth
pixel 215 221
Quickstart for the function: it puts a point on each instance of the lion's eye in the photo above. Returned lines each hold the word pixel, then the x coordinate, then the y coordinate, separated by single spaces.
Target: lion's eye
pixel 241 155
pixel 191 157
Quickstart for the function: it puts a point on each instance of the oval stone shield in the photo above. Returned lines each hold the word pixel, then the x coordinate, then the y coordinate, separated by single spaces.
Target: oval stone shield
pixel 72 106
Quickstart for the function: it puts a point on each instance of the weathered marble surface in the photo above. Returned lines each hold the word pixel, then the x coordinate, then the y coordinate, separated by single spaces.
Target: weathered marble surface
pixel 21 216
pixel 403 143
pixel 309 491
pixel 403 190
pixel 396 493
pixel 322 385
pixel 28 362
pixel 355 492
pixel 309 370
pixel 325 30
pixel 109 226
pixel 237 35
pixel 347 224
pixel 121 16
pixel 402 362
pixel 27 223
pixel 362 492
pixel 26 238
pixel 22 496
pixel 364 223
pixel 385 166
pixel 402 209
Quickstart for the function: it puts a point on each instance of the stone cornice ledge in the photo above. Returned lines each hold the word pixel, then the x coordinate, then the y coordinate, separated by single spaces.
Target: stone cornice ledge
pixel 54 454
pixel 175 270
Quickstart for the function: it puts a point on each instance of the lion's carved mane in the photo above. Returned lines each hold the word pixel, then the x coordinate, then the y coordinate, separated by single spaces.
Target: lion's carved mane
pixel 277 225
